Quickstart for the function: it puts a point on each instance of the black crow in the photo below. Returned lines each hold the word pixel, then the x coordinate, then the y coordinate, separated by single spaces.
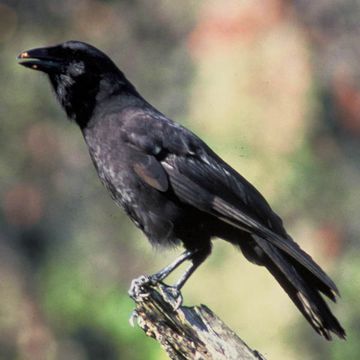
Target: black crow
pixel 171 184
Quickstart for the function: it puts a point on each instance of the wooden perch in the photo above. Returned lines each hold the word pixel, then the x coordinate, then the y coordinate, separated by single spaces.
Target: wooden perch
pixel 188 332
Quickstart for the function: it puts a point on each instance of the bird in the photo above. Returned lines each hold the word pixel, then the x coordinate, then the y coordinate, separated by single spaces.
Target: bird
pixel 172 185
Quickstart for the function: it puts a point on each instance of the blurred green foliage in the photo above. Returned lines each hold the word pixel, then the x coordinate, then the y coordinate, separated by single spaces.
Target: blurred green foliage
pixel 248 78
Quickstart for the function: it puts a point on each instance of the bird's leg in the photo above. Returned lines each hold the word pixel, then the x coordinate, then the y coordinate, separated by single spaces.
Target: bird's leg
pixel 136 290
pixel 173 292
pixel 188 272
pixel 196 262
pixel 197 259
pixel 167 270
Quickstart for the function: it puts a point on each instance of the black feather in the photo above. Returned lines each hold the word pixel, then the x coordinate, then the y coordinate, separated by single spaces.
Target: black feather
pixel 170 183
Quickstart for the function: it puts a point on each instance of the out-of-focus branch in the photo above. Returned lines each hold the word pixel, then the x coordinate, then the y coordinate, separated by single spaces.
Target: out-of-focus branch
pixel 188 332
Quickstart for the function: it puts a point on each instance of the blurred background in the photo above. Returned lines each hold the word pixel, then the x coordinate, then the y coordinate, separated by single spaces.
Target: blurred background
pixel 272 85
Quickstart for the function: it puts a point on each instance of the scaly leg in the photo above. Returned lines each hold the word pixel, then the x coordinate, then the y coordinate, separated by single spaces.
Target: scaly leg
pixel 136 290
pixel 167 270
pixel 196 256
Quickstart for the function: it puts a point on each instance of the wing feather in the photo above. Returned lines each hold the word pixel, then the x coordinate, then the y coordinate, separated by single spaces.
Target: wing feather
pixel 200 178
pixel 231 210
pixel 151 172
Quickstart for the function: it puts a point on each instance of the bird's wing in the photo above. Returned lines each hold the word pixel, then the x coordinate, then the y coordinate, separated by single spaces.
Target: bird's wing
pixel 221 192
pixel 151 172
pixel 200 178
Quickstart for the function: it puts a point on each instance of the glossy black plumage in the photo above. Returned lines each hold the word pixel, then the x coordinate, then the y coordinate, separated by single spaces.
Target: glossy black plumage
pixel 171 184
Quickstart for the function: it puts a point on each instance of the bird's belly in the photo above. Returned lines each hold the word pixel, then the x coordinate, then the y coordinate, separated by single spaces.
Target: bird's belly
pixel 164 221
pixel 146 207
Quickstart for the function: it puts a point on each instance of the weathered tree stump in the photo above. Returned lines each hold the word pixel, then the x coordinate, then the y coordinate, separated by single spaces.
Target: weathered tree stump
pixel 187 332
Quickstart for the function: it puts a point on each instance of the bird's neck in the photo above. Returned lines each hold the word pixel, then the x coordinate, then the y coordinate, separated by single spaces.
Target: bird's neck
pixel 80 99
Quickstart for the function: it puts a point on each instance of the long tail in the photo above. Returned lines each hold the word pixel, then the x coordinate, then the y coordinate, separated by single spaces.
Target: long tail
pixel 303 287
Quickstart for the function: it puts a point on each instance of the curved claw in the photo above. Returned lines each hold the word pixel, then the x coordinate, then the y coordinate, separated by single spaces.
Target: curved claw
pixel 137 289
pixel 133 318
pixel 179 302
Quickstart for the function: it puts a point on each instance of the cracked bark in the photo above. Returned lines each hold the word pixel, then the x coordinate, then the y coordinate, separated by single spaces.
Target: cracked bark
pixel 188 332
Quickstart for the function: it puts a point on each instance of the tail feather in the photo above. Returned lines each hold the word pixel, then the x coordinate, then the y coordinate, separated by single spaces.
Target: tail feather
pixel 233 216
pixel 311 305
pixel 310 278
pixel 303 288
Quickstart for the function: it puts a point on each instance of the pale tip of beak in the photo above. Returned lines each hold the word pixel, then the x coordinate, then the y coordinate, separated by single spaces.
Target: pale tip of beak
pixel 24 55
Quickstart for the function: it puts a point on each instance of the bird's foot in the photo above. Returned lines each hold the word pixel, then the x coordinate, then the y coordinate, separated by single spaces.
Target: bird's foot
pixel 172 296
pixel 138 290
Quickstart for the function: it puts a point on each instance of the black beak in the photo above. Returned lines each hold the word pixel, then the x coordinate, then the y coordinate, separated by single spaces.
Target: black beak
pixel 40 59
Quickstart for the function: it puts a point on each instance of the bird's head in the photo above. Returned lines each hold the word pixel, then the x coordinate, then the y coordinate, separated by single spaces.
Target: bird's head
pixel 80 75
